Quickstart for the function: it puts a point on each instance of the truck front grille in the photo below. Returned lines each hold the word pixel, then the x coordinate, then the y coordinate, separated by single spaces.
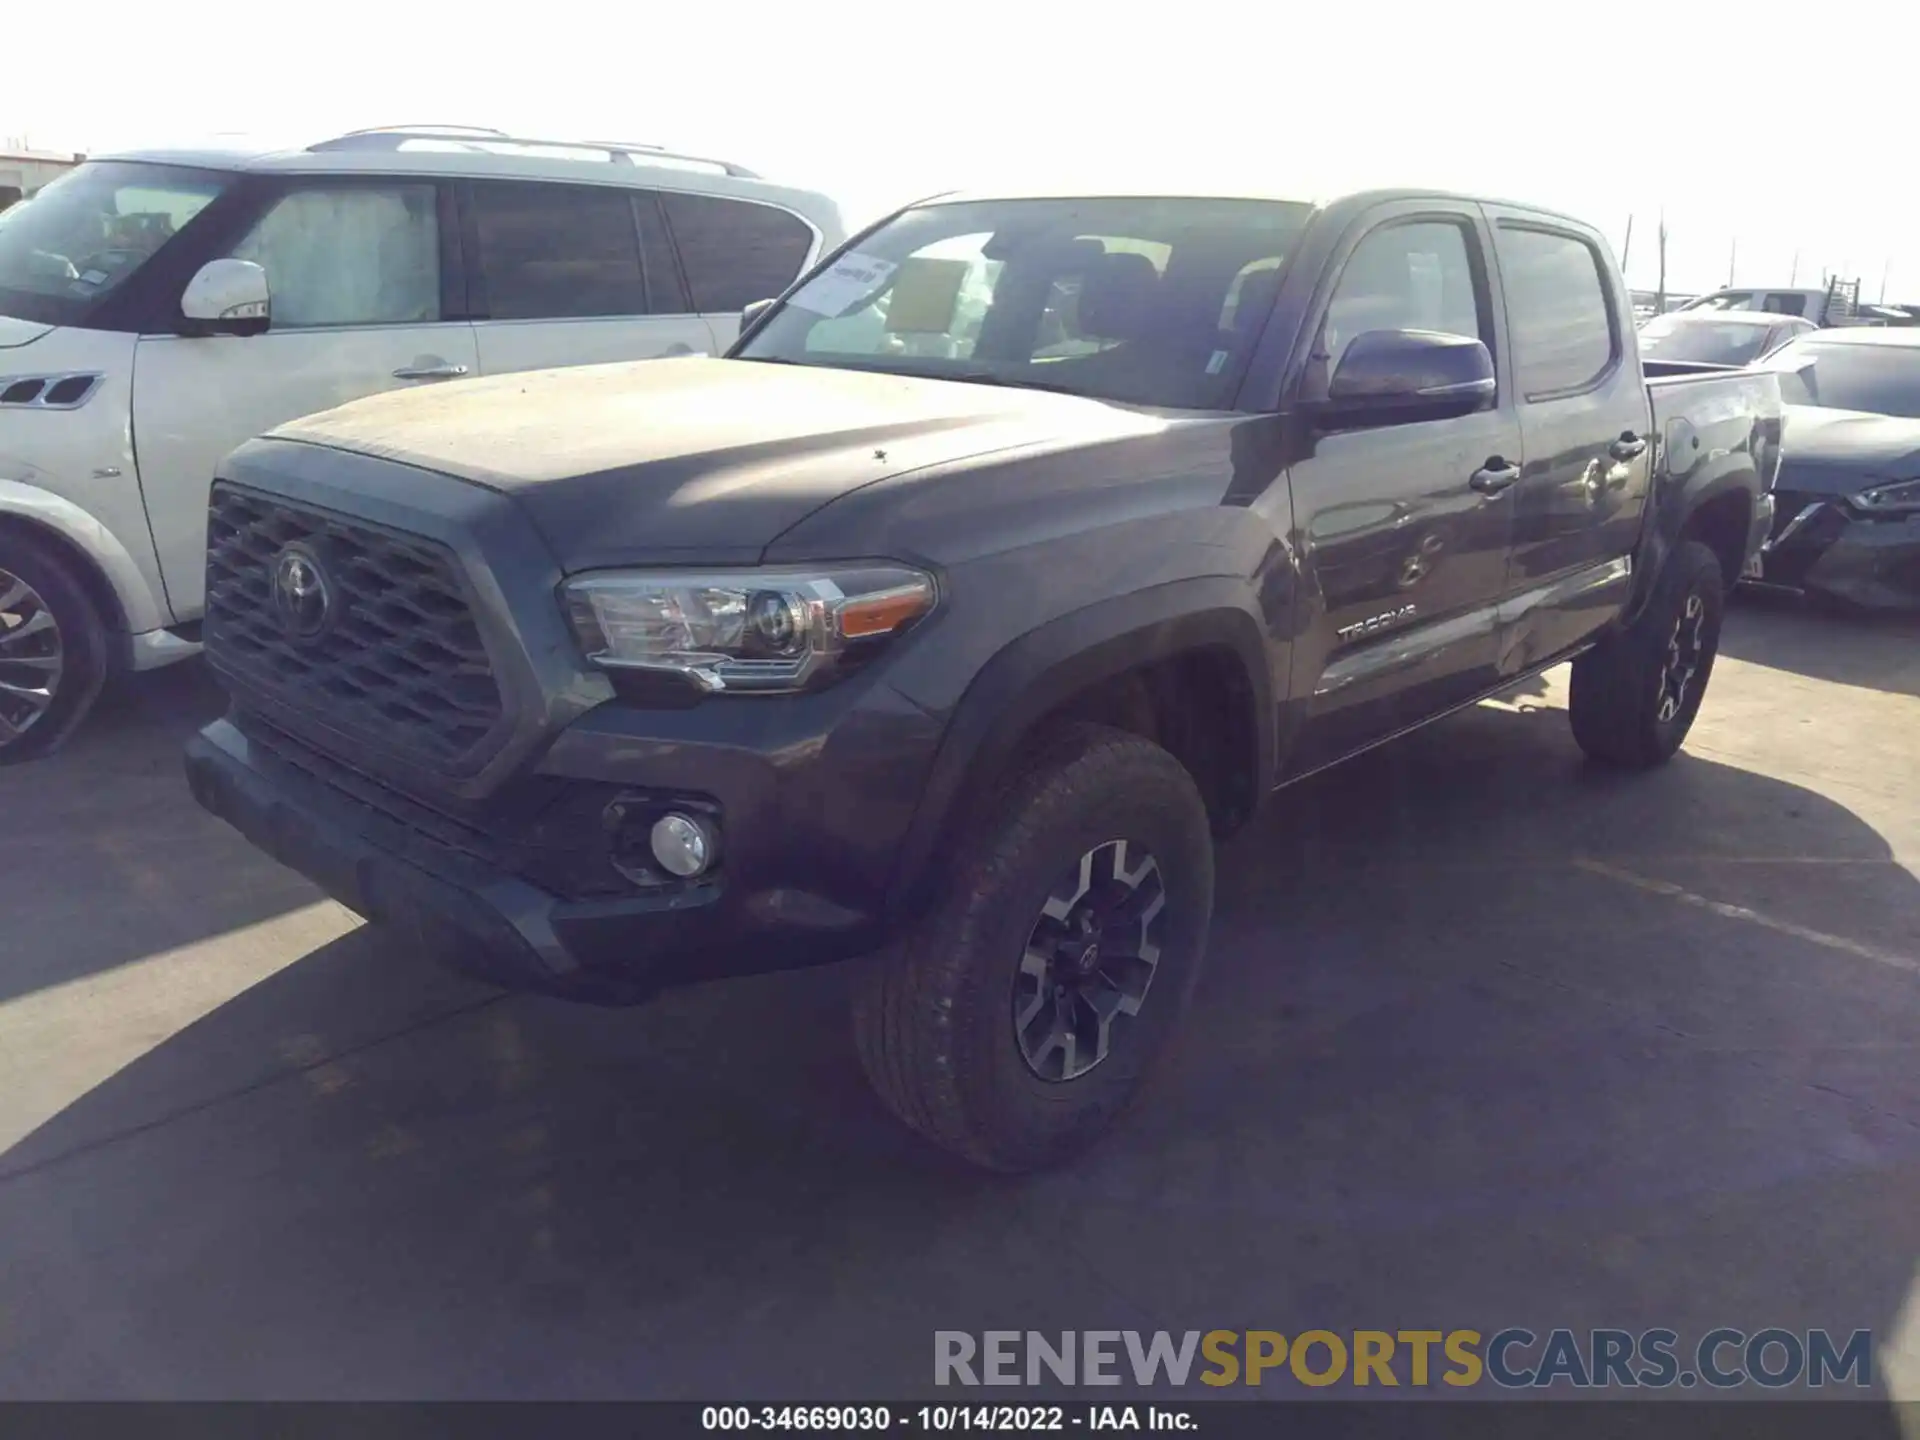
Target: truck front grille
pixel 393 658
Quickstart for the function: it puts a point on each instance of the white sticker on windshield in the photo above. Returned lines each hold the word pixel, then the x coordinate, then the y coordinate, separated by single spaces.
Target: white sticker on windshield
pixel 851 278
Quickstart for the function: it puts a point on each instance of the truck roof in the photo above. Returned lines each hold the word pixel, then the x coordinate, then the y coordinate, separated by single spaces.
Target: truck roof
pixel 1189 190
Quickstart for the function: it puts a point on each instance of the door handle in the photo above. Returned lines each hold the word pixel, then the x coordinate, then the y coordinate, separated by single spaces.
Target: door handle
pixel 1493 477
pixel 1627 447
pixel 430 372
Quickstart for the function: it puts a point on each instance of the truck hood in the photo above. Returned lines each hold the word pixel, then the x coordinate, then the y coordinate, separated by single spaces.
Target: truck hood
pixel 660 459
pixel 14 333
pixel 1838 452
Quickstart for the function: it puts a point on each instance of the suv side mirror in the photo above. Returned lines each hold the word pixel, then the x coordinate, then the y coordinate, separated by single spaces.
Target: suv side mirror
pixel 753 312
pixel 1394 376
pixel 227 297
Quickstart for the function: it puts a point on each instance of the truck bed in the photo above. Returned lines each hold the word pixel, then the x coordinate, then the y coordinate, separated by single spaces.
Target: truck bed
pixel 1711 397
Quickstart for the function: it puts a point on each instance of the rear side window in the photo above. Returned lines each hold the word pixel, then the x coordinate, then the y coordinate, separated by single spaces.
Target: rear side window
pixel 735 252
pixel 557 252
pixel 1557 311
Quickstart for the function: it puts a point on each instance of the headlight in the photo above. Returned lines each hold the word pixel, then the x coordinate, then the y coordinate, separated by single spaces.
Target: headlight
pixel 755 630
pixel 1903 495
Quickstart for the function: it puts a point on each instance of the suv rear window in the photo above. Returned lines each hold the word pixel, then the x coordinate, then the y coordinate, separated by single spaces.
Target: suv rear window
pixel 551 252
pixel 1557 310
pixel 735 252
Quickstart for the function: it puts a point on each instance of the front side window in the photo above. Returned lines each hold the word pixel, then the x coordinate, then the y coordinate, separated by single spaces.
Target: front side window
pixel 350 255
pixel 735 252
pixel 1120 299
pixel 1557 311
pixel 86 234
pixel 1415 276
pixel 1876 379
pixel 558 251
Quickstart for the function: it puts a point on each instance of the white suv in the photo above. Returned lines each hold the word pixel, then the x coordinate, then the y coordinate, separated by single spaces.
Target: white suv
pixel 157 309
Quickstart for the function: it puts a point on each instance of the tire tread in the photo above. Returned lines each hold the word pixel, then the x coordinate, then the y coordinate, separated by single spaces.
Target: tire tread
pixel 910 1001
pixel 1612 705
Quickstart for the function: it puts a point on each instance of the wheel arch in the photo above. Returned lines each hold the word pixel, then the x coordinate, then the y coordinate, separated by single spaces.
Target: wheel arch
pixel 1055 670
pixel 1719 514
pixel 104 565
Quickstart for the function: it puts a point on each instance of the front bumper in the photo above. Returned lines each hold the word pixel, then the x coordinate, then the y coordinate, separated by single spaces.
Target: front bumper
pixel 474 913
pixel 1823 546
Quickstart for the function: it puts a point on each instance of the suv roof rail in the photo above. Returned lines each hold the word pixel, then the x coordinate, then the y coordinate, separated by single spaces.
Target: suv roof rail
pixel 434 128
pixel 619 152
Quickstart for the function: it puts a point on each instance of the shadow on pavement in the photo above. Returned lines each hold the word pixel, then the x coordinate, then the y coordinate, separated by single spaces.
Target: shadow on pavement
pixel 1873 651
pixel 105 858
pixel 1437 1071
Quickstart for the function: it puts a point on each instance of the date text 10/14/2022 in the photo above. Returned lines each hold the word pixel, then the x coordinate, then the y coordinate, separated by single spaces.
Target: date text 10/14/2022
pixel 942 1419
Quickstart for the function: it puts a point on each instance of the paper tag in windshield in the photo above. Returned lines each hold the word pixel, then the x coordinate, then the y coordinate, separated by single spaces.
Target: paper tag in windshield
pixel 850 279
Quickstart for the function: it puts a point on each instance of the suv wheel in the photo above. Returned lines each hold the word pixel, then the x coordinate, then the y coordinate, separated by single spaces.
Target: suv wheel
pixel 1636 693
pixel 53 651
pixel 1020 1015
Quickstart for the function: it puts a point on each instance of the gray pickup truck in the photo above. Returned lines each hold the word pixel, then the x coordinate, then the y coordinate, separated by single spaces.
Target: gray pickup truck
pixel 1007 562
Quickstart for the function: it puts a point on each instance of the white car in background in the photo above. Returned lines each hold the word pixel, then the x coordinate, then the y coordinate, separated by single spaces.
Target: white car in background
pixel 159 308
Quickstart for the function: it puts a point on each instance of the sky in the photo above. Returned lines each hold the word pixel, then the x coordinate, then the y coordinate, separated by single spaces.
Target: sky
pixel 1782 170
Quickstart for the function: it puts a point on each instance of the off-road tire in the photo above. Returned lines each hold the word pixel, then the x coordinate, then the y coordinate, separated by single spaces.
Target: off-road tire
pixel 1619 685
pixel 933 1015
pixel 83 641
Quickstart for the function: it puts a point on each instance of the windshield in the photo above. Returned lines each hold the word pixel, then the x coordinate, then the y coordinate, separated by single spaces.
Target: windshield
pixel 1879 379
pixel 88 232
pixel 1149 301
pixel 1707 342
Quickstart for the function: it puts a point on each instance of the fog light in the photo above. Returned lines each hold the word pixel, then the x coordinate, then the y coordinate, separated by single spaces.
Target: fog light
pixel 682 845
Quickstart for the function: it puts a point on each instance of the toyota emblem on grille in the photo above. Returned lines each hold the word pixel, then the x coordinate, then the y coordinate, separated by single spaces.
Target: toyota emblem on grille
pixel 302 597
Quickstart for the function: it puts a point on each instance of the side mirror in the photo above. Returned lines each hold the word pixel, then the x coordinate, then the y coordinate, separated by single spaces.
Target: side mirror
pixel 227 297
pixel 1393 376
pixel 752 313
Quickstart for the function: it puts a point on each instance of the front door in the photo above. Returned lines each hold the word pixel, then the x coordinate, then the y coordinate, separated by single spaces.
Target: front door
pixel 1583 416
pixel 355 271
pixel 1403 529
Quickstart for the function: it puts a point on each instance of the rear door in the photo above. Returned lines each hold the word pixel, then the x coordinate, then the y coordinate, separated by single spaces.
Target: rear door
pixel 1404 528
pixel 574 275
pixel 363 274
pixel 1584 416
pixel 735 252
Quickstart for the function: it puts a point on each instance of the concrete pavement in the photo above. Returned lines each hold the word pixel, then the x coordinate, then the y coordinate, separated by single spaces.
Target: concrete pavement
pixel 1486 1038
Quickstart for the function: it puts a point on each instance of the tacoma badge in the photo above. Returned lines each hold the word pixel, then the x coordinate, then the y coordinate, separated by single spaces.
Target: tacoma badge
pixel 1375 623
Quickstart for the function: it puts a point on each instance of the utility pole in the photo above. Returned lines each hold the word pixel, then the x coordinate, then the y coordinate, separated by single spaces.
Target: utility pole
pixel 1795 274
pixel 1660 294
pixel 1732 255
pixel 1883 279
pixel 1626 250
